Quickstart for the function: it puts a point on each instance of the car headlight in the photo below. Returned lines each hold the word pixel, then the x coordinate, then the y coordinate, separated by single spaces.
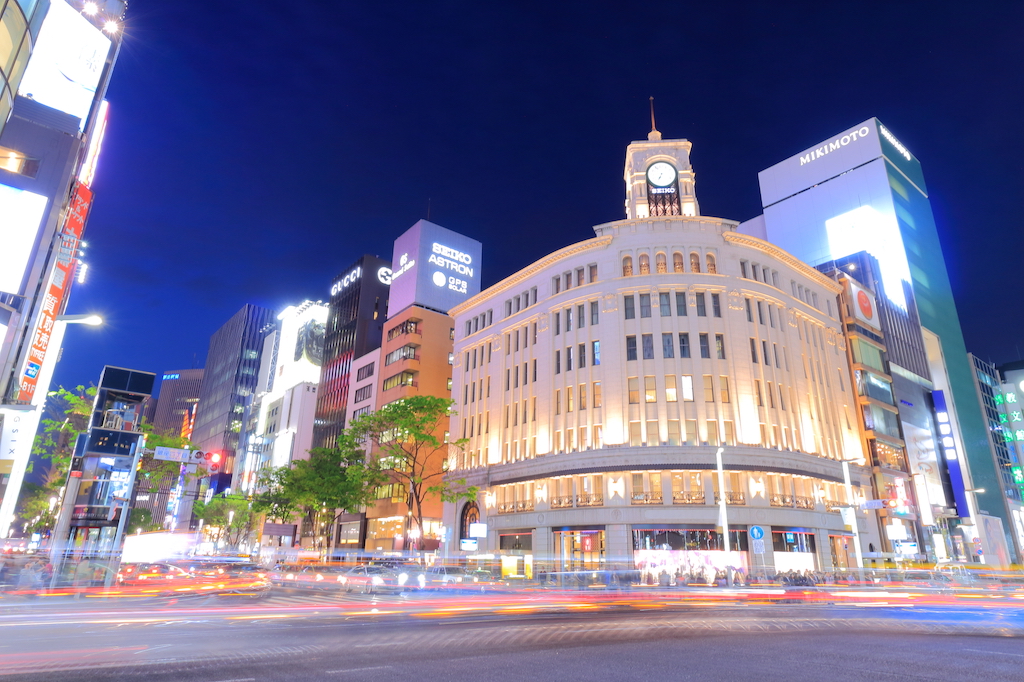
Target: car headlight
pixel 458 579
pixel 422 579
pixel 342 579
pixel 403 578
pixel 377 580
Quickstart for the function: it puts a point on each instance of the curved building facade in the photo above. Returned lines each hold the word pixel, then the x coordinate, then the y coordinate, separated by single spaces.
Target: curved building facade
pixel 596 387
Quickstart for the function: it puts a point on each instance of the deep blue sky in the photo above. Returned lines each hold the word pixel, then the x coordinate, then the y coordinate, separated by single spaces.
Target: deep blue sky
pixel 254 151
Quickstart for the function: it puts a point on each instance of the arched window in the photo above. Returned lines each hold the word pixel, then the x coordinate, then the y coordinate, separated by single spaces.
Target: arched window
pixel 677 262
pixel 694 262
pixel 627 266
pixel 712 268
pixel 645 264
pixel 661 263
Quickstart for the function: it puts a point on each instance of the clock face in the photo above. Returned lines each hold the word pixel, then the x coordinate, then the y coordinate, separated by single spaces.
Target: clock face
pixel 661 174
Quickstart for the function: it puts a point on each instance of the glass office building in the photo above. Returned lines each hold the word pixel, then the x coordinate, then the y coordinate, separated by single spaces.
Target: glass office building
pixel 863 191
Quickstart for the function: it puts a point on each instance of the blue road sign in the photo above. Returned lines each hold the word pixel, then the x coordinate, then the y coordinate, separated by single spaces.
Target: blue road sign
pixel 756 532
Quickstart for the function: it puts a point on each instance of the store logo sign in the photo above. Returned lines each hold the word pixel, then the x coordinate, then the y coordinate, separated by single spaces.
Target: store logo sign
pixel 835 145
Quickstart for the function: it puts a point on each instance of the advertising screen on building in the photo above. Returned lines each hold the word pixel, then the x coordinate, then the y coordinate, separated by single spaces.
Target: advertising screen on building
pixel 433 267
pixel 22 212
pixel 67 62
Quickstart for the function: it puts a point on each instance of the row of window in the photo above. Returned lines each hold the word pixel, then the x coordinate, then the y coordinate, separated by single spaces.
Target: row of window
pixel 661 263
pixel 365 372
pixel 581 317
pixel 574 278
pixel 482 321
pixel 520 302
pixel 668 346
pixel 407 327
pixel 665 305
pixel 406 352
pixel 580 356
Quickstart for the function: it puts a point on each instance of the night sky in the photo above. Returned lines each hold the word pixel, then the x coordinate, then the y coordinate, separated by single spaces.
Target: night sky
pixel 255 151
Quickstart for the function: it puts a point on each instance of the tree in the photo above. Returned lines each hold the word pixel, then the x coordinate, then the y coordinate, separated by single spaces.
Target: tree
pixel 157 475
pixel 141 521
pixel 332 482
pixel 408 440
pixel 231 517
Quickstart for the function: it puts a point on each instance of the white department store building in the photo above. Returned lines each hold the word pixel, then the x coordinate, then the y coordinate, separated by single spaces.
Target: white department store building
pixel 595 386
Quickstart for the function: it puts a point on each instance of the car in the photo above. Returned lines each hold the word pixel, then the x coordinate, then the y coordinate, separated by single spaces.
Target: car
pixel 231 578
pixel 371 578
pixel 156 577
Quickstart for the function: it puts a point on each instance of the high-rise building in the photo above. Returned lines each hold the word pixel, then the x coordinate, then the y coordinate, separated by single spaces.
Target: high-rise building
pixel 281 416
pixel 436 269
pixel 229 385
pixel 179 395
pixel 658 398
pixel 50 136
pixel 355 323
pixel 863 191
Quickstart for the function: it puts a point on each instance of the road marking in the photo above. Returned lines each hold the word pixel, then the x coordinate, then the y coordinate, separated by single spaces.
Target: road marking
pixel 986 651
pixel 153 648
pixel 356 670
pixel 240 679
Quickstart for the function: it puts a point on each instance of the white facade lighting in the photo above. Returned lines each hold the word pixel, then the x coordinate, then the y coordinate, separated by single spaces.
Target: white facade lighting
pixel 110 27
pixel 90 8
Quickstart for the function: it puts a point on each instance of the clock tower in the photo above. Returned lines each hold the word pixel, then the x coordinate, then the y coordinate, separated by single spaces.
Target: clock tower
pixel 659 179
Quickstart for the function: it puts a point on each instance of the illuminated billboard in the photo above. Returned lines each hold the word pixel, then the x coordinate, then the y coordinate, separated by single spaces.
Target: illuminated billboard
pixel 22 214
pixel 433 267
pixel 67 62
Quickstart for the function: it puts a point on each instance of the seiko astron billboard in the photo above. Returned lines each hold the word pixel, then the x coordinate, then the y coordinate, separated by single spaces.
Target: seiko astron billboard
pixel 433 267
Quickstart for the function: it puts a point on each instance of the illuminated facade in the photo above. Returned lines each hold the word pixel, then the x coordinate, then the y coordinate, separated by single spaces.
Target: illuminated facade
pixel 596 386
pixel 50 135
pixel 179 395
pixel 281 415
pixel 358 305
pixel 863 192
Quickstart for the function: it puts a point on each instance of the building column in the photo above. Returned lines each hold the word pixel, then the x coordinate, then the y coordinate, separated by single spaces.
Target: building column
pixel 824 549
pixel 618 547
pixel 543 550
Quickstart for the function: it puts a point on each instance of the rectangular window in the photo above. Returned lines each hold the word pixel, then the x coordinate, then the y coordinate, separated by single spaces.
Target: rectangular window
pixel 757 392
pixel 635 437
pixel 709 389
pixel 771 316
pixel 597 394
pixel 401 379
pixel 648 341
pixel 582 355
pixel 558 323
pixel 634 390
pixel 664 304
pixel 630 348
pixel 691 432
pixel 593 312
pixel 568 319
pixel 533 409
pixel 508 344
pixel 764 353
pixel 645 305
pixel 583 396
pixel 760 312
pixel 579 277
pixel 593 272
pixel 750 314
pixel 365 372
pixel 770 390
pixel 716 305
pixel 558 362
pixel 653 438
pixel 674 437
pixel 507 374
pixel 743 269
pixel 595 353
pixel 670 388
pixel 570 399
pixel 720 346
pixel 581 318
pixel 364 393
pixel 568 359
pixel 533 332
pixel 723 388
pixel 650 390
pixel 730 433
pixel 681 303
pixel 534 370
pixel 627 303
pixel 775 351
pixel 705 347
pixel 684 345
pixel 515 377
pixel 668 345
pixel 712 426
pixel 782 397
pixel 558 401
pixel 753 351
pixel 702 310
pixel 687 388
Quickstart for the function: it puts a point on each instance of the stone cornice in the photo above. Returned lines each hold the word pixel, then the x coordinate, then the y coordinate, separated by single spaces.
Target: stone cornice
pixel 529 271
pixel 784 256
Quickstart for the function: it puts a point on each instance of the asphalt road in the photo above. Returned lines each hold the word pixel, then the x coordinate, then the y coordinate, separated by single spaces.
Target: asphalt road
pixel 223 643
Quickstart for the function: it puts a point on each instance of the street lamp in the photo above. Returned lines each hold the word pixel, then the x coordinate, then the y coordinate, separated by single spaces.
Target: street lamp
pixel 91 319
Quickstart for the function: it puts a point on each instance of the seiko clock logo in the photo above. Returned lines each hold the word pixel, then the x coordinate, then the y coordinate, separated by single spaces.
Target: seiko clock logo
pixel 448 258
pixel 835 144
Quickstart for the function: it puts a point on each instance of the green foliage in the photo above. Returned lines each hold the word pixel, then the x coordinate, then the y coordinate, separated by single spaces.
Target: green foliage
pixel 230 517
pixel 407 442
pixel 158 475
pixel 141 521
pixel 36 509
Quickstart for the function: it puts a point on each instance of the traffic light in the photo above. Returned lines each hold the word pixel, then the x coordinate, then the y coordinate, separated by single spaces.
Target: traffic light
pixel 892 504
pixel 211 460
pixel 214 459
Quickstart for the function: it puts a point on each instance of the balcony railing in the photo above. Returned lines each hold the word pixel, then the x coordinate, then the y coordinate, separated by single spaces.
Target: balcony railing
pixel 589 500
pixel 731 497
pixel 793 501
pixel 833 505
pixel 561 501
pixel 688 497
pixel 646 498
pixel 514 507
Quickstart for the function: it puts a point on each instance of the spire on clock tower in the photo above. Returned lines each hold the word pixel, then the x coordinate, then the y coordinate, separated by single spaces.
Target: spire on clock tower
pixel 654 135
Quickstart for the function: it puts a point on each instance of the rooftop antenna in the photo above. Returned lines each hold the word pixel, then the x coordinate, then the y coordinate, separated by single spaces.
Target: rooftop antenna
pixel 654 135
pixel 428 208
